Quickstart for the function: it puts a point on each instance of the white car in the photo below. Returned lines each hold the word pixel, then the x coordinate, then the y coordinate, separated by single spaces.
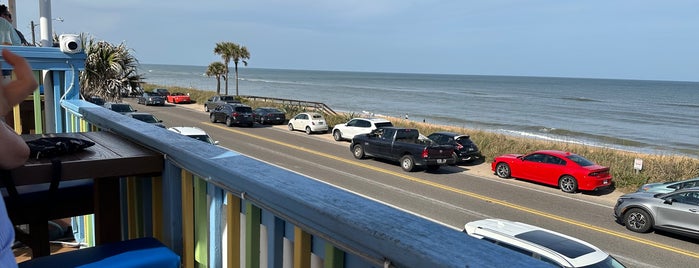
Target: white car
pixel 356 126
pixel 309 122
pixel 546 245
pixel 194 132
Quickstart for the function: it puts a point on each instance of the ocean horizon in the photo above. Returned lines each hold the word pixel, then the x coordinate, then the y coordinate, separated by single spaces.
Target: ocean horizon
pixel 646 116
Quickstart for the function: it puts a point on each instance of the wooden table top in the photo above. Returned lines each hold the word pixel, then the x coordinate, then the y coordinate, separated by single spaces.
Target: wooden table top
pixel 111 156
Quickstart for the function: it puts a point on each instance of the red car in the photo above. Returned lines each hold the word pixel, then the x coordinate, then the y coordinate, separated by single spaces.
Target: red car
pixel 568 171
pixel 178 98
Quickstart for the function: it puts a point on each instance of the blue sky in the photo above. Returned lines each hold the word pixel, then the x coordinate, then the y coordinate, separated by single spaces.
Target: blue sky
pixel 650 40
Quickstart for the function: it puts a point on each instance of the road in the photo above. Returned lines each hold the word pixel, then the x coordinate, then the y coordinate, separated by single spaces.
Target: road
pixel 451 195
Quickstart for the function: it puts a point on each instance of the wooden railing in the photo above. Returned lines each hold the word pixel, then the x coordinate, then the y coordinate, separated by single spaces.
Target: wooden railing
pixel 317 106
pixel 217 208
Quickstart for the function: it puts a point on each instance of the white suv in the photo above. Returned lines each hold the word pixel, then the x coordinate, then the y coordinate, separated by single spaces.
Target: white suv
pixel 357 126
pixel 194 132
pixel 546 245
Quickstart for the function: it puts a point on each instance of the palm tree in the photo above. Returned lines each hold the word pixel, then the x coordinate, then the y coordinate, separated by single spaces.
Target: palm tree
pixel 218 70
pixel 109 70
pixel 232 51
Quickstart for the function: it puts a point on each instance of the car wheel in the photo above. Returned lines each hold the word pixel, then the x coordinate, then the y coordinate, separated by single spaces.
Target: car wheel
pixel 206 108
pixel 291 127
pixel 229 121
pixel 337 135
pixel 568 184
pixel 308 130
pixel 407 163
pixel 358 151
pixel 503 170
pixel 638 220
pixel 456 158
pixel 212 118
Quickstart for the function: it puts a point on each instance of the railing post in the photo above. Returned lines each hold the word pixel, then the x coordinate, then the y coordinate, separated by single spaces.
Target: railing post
pixel 252 236
pixel 302 248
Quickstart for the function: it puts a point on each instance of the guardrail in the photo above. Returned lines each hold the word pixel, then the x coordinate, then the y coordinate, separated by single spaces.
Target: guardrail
pixel 216 207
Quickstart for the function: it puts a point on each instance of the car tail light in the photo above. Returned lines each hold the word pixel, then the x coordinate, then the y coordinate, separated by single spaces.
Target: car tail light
pixel 424 153
pixel 234 114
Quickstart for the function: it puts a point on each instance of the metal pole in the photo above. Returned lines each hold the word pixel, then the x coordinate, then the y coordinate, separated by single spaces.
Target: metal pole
pixel 33 35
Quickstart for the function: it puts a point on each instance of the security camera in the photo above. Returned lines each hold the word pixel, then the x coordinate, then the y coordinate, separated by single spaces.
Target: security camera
pixel 70 43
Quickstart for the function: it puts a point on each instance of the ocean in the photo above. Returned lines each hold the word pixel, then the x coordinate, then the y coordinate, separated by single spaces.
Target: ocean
pixel 658 117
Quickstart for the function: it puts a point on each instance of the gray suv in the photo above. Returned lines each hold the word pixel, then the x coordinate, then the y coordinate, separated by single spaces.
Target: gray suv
pixel 676 212
pixel 233 114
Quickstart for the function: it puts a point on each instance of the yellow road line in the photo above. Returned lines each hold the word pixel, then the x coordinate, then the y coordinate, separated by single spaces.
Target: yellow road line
pixel 471 194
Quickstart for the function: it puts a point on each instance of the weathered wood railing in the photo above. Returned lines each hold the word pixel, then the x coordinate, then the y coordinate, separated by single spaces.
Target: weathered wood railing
pixel 317 106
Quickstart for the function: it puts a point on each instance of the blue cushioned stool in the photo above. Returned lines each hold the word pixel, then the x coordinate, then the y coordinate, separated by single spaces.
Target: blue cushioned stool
pixel 142 252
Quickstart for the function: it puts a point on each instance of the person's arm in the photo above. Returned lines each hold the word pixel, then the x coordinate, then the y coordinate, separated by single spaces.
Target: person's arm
pixel 13 149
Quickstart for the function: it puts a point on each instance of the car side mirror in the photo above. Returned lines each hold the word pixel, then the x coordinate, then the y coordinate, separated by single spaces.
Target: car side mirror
pixel 669 201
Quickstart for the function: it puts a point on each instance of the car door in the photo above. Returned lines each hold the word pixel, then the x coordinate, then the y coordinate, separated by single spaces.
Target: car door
pixel 300 121
pixel 356 126
pixel 380 145
pixel 528 167
pixel 682 212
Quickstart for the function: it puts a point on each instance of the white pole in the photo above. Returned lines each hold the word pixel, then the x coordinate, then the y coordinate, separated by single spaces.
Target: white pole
pixel 46 40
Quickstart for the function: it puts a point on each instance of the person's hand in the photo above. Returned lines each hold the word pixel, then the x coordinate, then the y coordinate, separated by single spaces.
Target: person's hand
pixel 17 90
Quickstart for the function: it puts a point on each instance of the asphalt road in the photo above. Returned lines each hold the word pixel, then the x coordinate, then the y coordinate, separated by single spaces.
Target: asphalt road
pixel 451 195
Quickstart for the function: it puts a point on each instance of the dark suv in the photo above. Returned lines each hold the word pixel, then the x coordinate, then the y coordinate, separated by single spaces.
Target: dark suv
pixel 233 114
pixel 465 151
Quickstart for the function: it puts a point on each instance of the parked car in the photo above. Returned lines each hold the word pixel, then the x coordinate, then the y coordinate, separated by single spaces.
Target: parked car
pixel 217 100
pixel 309 122
pixel 356 126
pixel 269 115
pixel 146 117
pixel 97 100
pixel 465 150
pixel 568 171
pixel 195 133
pixel 178 97
pixel 232 114
pixel 676 212
pixel 150 98
pixel 119 107
pixel 668 186
pixel 161 91
pixel 543 244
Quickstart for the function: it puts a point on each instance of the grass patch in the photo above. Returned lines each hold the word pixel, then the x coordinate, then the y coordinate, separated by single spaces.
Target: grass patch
pixel 656 168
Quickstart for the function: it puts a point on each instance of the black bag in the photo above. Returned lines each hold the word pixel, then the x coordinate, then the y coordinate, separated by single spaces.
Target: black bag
pixel 55 146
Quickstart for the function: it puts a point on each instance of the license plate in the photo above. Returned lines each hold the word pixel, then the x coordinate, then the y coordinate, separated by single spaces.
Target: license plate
pixel 441 161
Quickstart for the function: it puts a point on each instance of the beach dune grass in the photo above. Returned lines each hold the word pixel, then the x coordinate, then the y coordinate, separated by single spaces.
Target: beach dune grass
pixel 656 168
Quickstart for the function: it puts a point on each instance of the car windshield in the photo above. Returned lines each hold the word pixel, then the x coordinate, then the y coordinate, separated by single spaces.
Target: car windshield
pixel 121 108
pixel 385 124
pixel 204 138
pixel 145 118
pixel 227 98
pixel 608 262
pixel 582 161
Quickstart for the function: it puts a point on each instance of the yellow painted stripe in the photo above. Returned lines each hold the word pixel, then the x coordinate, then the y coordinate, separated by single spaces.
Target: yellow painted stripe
pixel 471 194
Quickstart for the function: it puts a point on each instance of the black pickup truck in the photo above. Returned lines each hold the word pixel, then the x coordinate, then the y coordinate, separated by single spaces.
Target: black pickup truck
pixel 404 145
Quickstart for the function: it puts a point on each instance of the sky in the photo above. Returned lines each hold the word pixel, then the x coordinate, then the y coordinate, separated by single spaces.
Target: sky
pixel 624 39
